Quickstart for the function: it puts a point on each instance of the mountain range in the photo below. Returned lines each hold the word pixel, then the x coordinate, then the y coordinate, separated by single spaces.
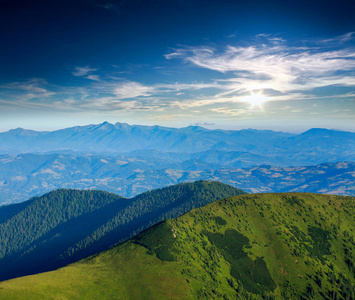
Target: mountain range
pixel 260 246
pixel 131 159
pixel 311 147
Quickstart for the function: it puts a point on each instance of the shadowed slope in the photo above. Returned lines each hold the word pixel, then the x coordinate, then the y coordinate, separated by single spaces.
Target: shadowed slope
pixel 64 226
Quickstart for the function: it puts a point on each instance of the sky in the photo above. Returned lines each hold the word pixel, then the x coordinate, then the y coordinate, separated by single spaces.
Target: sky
pixel 280 65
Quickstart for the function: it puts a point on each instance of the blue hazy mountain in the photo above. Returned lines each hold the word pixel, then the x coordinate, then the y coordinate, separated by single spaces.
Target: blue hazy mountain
pixel 130 159
pixel 26 175
pixel 121 137
pixel 331 145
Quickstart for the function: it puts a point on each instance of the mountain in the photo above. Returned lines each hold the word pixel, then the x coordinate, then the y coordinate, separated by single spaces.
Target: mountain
pixel 130 159
pixel 261 246
pixel 64 226
pixel 24 176
pixel 118 138
pixel 312 147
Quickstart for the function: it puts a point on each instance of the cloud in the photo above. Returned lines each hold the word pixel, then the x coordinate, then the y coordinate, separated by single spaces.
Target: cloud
pixel 124 89
pixel 85 72
pixel 340 39
pixel 93 77
pixel 132 89
pixel 271 38
pixel 82 71
pixel 31 89
pixel 276 67
pixel 202 124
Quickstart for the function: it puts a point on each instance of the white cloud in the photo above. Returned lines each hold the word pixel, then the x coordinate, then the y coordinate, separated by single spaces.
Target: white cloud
pixel 340 39
pixel 271 38
pixel 34 88
pixel 274 66
pixel 132 89
pixel 82 71
pixel 93 77
pixel 86 73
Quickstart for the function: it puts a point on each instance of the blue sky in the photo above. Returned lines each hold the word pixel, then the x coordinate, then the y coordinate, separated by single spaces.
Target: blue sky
pixel 282 65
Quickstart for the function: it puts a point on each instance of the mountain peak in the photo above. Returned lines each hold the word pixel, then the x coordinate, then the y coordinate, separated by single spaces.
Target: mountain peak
pixel 323 131
pixel 17 130
pixel 122 125
pixel 105 126
pixel 22 132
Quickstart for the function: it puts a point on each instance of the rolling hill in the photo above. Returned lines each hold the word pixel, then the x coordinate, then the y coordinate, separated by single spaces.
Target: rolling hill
pixel 64 226
pixel 261 246
pixel 24 176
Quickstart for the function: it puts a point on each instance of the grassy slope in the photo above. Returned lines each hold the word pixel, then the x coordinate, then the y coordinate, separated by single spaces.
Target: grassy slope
pixel 283 246
pixel 64 226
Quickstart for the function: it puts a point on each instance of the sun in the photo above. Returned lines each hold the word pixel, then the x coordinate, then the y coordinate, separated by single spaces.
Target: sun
pixel 256 100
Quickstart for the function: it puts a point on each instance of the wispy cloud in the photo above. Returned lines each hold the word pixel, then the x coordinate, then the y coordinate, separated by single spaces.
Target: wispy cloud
pixel 340 39
pixel 274 66
pixel 131 89
pixel 93 77
pixel 82 71
pixel 86 72
pixel 31 89
pixel 271 38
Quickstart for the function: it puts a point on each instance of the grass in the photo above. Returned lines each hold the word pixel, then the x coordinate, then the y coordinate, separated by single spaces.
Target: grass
pixel 111 275
pixel 261 246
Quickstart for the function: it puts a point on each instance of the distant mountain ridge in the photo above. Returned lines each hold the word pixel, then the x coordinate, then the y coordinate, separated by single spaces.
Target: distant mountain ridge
pixel 121 137
pixel 124 138
pixel 63 226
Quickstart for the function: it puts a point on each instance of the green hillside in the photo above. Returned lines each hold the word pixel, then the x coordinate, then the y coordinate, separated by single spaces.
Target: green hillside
pixel 261 246
pixel 65 226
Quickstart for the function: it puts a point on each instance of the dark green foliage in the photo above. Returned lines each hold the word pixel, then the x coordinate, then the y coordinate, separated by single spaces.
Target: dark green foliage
pixel 293 200
pixel 320 242
pixel 301 236
pixel 40 215
pixel 160 242
pixel 34 237
pixel 220 221
pixel 317 243
pixel 254 275
pixel 64 226
pixel 309 294
pixel 231 242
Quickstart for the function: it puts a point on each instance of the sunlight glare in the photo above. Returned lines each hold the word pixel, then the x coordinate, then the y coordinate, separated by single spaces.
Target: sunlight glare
pixel 256 100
